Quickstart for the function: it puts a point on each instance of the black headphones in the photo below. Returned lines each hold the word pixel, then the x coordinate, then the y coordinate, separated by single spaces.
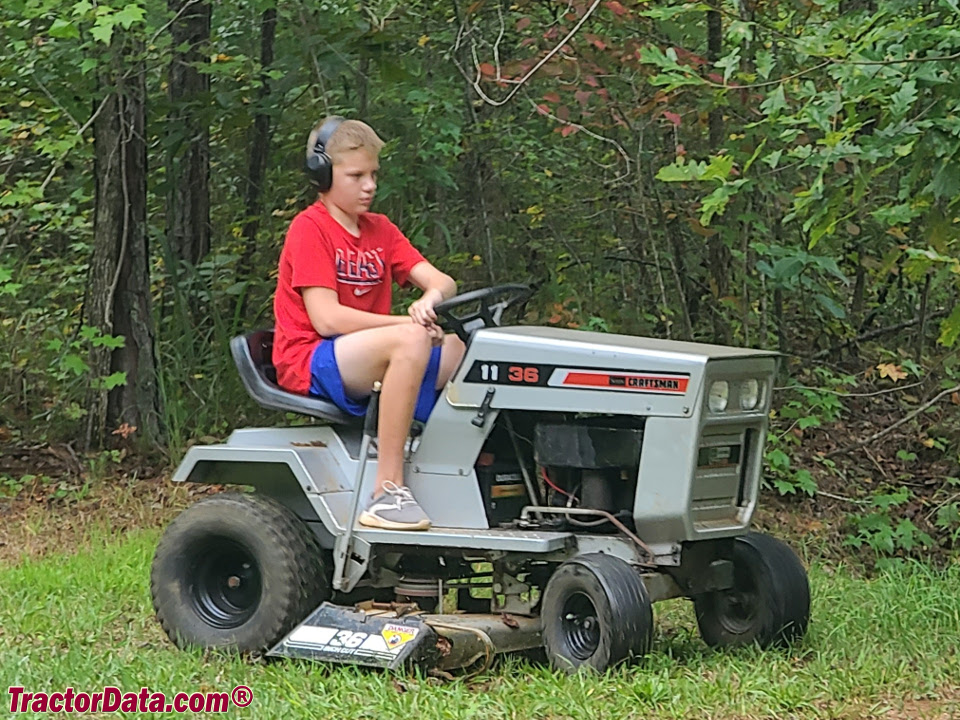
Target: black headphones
pixel 319 166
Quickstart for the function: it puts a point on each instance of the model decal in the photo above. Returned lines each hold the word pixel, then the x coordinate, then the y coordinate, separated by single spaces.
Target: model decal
pixel 628 382
pixel 489 372
pixel 333 641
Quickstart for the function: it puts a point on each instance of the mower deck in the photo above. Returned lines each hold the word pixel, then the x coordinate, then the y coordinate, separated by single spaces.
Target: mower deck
pixel 391 636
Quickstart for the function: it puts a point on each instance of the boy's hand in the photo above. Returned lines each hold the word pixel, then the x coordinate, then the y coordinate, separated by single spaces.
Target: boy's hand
pixel 436 334
pixel 422 310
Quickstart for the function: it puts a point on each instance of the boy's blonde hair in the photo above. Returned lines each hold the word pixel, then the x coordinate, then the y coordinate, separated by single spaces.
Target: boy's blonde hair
pixel 349 135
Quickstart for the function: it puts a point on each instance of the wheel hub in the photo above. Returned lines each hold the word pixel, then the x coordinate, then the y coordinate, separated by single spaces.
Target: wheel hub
pixel 738 610
pixel 581 626
pixel 227 585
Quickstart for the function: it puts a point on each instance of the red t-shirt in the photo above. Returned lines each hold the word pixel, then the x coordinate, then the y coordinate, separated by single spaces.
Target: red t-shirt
pixel 319 252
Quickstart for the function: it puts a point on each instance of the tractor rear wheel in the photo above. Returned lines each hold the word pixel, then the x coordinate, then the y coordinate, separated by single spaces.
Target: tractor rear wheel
pixel 236 571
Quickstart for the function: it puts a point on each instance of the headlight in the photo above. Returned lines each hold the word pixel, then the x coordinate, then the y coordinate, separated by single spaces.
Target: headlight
pixel 749 394
pixel 719 395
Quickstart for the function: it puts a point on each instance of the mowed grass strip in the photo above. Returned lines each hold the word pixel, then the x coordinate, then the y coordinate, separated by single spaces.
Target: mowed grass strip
pixel 878 647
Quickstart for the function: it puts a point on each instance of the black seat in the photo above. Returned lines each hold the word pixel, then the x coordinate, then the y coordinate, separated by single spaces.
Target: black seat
pixel 253 355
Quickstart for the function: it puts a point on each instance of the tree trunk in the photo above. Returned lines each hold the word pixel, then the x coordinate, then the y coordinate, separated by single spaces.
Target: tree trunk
pixel 188 159
pixel 119 302
pixel 477 166
pixel 718 260
pixel 259 146
pixel 714 53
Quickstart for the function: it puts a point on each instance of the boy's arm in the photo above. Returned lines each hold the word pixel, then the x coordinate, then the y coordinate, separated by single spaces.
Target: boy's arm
pixel 437 287
pixel 330 318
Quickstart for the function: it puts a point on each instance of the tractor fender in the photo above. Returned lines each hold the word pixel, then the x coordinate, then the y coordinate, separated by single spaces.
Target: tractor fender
pixel 280 473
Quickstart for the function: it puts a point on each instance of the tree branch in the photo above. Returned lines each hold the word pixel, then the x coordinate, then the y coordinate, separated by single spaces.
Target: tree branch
pixel 886 431
pixel 873 334
pixel 53 171
pixel 543 61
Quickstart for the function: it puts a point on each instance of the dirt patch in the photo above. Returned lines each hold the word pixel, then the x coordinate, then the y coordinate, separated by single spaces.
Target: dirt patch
pixel 941 705
pixel 53 499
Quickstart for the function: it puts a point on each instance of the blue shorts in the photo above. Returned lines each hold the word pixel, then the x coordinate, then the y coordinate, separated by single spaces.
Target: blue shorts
pixel 326 383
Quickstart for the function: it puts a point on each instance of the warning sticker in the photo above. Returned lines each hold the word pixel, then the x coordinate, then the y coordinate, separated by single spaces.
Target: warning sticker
pixel 398 635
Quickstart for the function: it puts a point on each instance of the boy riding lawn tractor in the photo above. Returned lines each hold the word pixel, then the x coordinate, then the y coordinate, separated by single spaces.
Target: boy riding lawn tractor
pixel 476 488
pixel 572 479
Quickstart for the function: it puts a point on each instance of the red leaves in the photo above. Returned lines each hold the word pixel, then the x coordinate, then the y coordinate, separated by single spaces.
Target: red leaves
pixel 685 57
pixel 487 69
pixel 672 117
pixel 551 97
pixel 582 96
pixel 523 23
pixel 568 130
pixel 596 42
pixel 616 8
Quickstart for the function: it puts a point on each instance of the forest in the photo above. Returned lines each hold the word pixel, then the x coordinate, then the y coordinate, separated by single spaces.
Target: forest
pixel 773 174
pixel 780 175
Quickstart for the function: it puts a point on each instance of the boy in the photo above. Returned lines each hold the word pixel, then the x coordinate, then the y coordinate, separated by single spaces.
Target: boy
pixel 334 333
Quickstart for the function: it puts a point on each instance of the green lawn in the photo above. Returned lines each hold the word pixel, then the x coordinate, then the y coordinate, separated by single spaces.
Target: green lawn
pixel 888 644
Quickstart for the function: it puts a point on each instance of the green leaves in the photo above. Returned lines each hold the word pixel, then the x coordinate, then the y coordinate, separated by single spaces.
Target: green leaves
pixel 107 20
pixel 7 286
pixel 729 63
pixel 129 15
pixel 716 202
pixel 75 364
pixel 63 29
pixel 775 101
pixel 102 31
pixel 681 171
pixel 950 329
pixel 902 100
pixel 718 170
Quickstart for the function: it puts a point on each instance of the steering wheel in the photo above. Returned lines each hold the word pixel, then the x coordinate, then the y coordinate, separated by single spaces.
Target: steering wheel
pixel 489 312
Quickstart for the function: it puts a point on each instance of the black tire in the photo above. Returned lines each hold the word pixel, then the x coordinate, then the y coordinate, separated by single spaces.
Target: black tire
pixel 595 613
pixel 769 603
pixel 237 572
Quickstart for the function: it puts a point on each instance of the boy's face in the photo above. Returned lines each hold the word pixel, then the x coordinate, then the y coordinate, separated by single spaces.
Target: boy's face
pixel 354 181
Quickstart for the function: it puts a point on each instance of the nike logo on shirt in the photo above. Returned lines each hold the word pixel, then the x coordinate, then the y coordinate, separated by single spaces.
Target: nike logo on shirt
pixel 361 291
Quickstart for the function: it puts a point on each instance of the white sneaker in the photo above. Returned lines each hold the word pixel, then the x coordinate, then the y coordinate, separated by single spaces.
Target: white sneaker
pixel 395 509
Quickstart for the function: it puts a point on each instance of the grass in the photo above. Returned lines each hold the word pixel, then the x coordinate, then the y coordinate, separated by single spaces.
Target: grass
pixel 884 647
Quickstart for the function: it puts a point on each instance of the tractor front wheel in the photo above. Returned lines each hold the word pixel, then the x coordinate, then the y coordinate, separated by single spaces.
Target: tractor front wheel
pixel 595 613
pixel 769 603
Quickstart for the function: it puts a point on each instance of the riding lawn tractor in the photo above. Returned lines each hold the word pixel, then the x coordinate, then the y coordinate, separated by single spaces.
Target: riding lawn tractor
pixel 573 479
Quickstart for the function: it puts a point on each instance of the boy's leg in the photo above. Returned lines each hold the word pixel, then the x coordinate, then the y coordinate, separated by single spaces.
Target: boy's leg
pixel 452 354
pixel 397 355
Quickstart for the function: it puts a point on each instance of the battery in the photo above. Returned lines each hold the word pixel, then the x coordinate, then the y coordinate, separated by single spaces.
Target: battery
pixel 503 490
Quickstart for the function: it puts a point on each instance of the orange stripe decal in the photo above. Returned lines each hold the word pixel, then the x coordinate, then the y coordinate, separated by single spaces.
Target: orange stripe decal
pixel 638 383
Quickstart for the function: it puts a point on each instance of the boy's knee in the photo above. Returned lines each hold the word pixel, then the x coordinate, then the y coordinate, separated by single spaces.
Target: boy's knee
pixel 453 344
pixel 413 339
